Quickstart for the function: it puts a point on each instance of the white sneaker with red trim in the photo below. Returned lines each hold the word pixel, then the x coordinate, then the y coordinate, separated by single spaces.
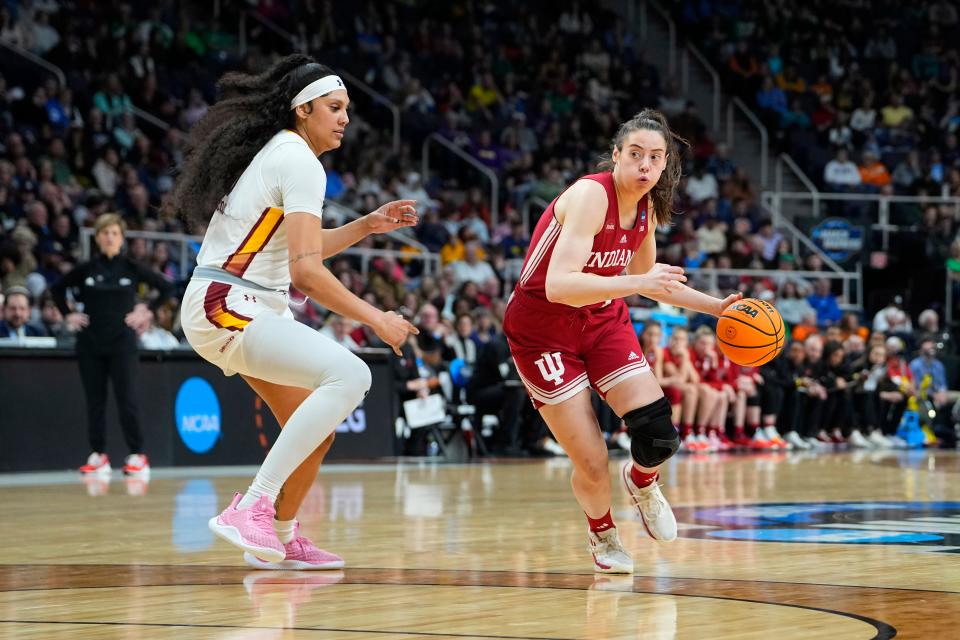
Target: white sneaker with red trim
pixel 608 553
pixel 654 510
pixel 136 464
pixel 97 463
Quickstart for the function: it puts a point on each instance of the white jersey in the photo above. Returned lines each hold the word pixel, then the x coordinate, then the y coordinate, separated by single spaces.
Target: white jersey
pixel 246 235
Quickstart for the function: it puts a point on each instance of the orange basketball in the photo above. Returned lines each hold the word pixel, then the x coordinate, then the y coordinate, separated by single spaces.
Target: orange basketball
pixel 750 332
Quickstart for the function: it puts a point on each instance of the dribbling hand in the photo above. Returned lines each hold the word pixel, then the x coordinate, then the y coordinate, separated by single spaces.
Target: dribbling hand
pixel 726 302
pixel 394 330
pixel 662 278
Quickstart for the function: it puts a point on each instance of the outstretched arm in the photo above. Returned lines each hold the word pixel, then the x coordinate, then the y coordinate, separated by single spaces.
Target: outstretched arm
pixel 679 295
pixel 390 217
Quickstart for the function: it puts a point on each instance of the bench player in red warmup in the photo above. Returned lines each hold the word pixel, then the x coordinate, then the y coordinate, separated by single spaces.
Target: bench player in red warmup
pixel 568 327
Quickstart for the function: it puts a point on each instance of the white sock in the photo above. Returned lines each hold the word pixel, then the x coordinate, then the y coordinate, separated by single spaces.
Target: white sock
pixel 285 529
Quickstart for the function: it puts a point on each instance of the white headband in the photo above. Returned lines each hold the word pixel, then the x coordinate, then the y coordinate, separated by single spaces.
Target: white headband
pixel 319 87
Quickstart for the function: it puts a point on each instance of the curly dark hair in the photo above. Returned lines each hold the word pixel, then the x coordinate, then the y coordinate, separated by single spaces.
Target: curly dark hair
pixel 253 108
pixel 662 192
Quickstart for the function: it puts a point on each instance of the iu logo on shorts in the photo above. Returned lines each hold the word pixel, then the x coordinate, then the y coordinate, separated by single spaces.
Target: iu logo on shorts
pixel 551 367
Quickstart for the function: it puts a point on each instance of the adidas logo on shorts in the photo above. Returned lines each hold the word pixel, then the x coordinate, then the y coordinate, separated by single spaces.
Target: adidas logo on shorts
pixel 633 356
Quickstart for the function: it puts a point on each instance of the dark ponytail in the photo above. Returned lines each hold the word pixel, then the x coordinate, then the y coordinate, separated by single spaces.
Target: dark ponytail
pixel 253 108
pixel 662 192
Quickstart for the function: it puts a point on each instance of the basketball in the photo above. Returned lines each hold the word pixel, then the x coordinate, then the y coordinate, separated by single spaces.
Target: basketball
pixel 750 332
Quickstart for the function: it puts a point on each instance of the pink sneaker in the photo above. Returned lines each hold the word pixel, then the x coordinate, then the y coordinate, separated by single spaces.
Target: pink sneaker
pixel 302 555
pixel 250 529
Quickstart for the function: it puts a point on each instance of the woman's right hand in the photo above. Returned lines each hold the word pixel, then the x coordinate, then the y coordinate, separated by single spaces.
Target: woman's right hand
pixel 393 329
pixel 76 321
pixel 662 278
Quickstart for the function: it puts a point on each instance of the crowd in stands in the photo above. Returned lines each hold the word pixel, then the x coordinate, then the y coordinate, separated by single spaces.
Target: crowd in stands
pixel 533 91
pixel 863 95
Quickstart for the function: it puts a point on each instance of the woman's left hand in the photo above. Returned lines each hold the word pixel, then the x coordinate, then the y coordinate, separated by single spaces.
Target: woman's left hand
pixel 726 302
pixel 139 319
pixel 392 216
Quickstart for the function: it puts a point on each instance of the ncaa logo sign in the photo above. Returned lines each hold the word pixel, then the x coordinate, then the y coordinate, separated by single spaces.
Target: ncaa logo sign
pixel 197 413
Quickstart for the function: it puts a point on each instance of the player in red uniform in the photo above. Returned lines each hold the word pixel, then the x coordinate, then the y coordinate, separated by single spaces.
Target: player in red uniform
pixel 568 327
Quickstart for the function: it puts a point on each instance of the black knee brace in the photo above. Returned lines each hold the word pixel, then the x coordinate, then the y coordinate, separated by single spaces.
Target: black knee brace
pixel 653 438
pixel 754 400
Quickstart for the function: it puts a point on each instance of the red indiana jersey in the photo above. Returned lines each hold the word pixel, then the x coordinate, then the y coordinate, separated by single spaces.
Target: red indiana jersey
pixel 613 246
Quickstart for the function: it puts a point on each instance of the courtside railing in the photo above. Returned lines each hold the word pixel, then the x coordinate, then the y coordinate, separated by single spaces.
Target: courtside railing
pixel 183 249
pixel 878 210
pixel 476 165
pixel 718 280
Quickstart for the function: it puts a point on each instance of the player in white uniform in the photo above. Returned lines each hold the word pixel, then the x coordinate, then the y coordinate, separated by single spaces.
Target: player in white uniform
pixel 253 178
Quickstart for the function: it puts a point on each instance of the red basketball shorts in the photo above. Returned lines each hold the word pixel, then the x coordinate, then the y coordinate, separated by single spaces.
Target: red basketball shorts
pixel 559 350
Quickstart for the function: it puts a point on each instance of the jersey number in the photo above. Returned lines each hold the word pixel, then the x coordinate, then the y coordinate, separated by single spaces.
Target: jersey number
pixel 551 367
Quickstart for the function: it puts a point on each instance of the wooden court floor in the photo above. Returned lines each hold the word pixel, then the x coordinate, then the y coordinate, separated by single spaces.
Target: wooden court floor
pixel 846 545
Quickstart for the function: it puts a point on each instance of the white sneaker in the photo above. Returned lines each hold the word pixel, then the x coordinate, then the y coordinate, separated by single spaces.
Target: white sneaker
pixel 97 463
pixel 136 464
pixel 690 444
pixel 775 438
pixel 816 445
pixel 794 440
pixel 552 446
pixel 857 440
pixel 880 441
pixel 622 440
pixel 705 446
pixel 897 442
pixel 655 511
pixel 608 553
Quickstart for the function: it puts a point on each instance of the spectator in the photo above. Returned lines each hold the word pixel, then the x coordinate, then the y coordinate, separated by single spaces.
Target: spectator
pixel 157 335
pixel 869 374
pixel 928 328
pixel 850 326
pixel 896 114
pixel 767 241
pixel 841 174
pixel 111 100
pixel 702 185
pixel 824 303
pixel 807 326
pixel 908 173
pixel 864 118
pixel 892 318
pixel 472 268
pixel 338 329
pixel 17 308
pixel 873 173
pixel 811 395
pixel 493 389
pixel 929 374
pixel 416 375
pixel 460 342
pixel 772 100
